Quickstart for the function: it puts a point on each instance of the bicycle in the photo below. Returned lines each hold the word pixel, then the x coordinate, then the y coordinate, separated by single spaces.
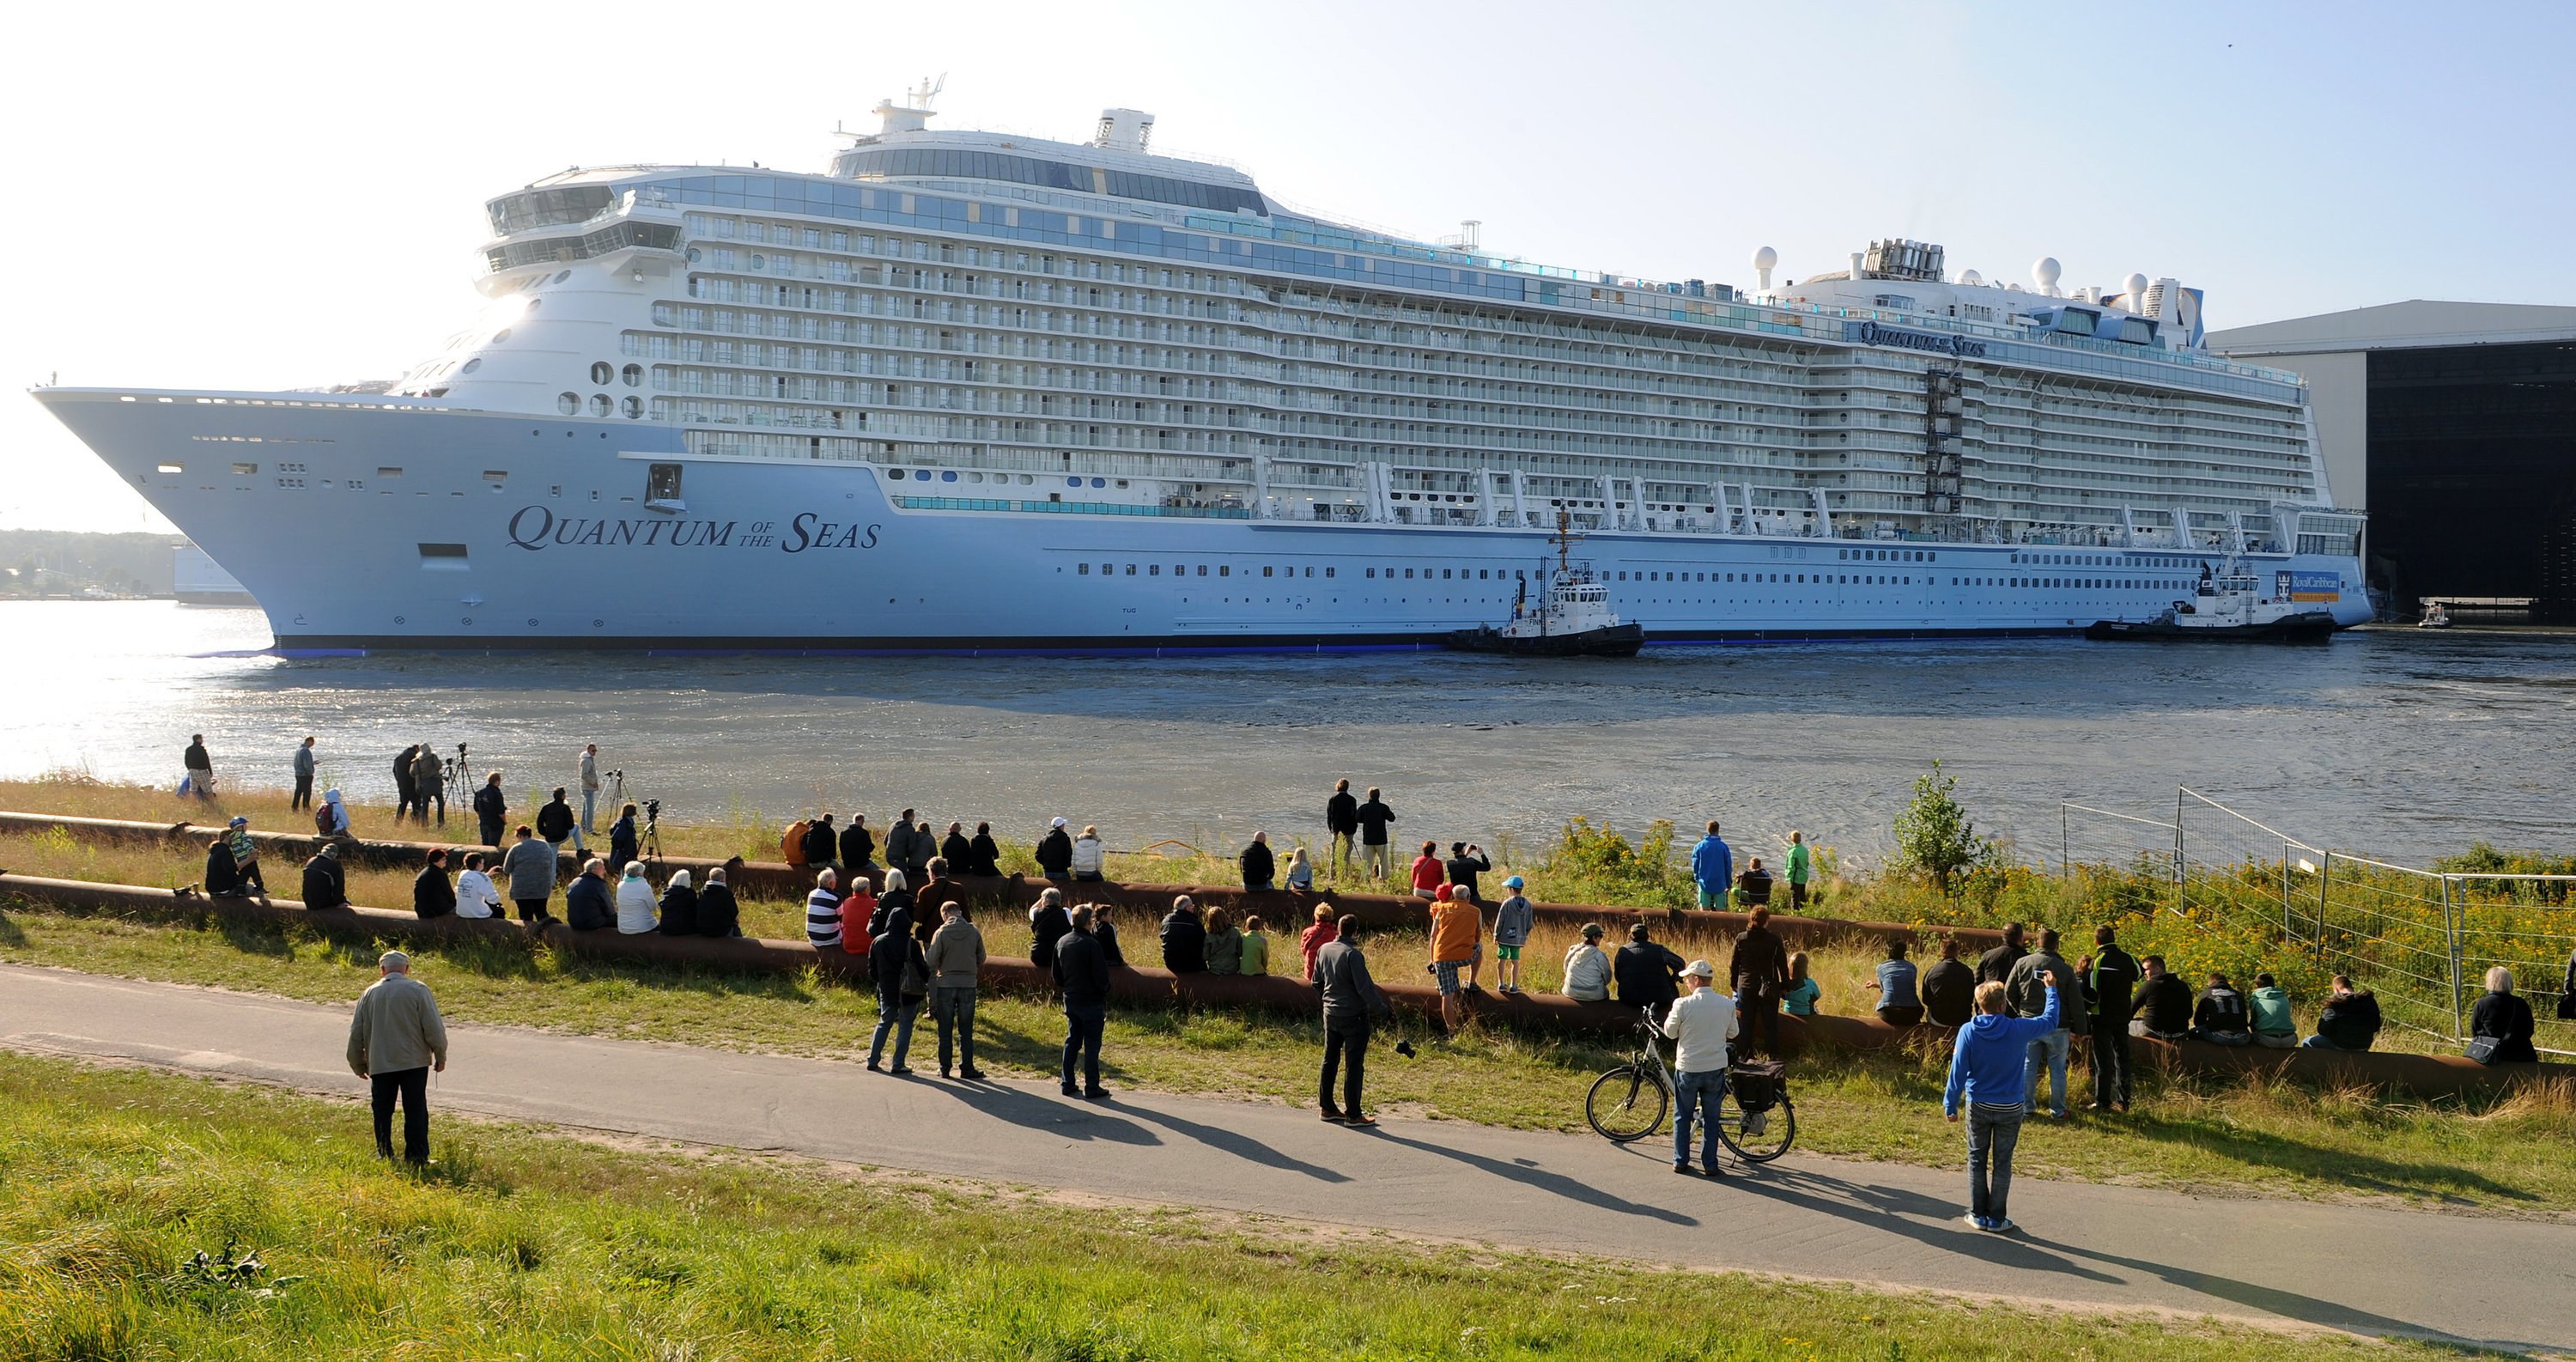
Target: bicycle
pixel 1630 1103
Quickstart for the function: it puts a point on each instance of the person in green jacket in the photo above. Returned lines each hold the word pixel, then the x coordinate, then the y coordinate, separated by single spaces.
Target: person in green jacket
pixel 2273 1025
pixel 1801 866
pixel 1256 946
pixel 1224 949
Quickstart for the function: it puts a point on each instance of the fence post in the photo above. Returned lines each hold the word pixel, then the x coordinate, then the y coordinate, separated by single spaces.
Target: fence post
pixel 2179 870
pixel 2288 929
pixel 2325 880
pixel 2065 848
pixel 2451 930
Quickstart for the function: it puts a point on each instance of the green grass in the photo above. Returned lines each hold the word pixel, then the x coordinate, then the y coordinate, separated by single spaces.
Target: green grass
pixel 523 1243
pixel 2509 1154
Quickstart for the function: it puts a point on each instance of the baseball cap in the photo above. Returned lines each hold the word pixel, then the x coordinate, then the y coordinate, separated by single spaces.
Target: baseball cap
pixel 239 821
pixel 1513 883
pixel 1056 823
pixel 1699 969
pixel 1592 931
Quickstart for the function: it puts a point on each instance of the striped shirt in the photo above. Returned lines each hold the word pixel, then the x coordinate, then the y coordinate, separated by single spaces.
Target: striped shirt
pixel 823 917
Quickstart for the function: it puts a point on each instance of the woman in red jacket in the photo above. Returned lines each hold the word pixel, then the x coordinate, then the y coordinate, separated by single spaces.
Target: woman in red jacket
pixel 1429 872
pixel 1315 937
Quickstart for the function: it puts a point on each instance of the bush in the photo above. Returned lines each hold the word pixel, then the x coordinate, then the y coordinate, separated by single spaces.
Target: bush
pixel 1597 865
pixel 1936 839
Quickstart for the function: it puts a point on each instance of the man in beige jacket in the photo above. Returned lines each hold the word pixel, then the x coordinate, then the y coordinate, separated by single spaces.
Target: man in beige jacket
pixel 955 959
pixel 395 1040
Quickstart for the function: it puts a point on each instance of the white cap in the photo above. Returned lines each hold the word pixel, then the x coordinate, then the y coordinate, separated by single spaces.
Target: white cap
pixel 1057 823
pixel 1699 969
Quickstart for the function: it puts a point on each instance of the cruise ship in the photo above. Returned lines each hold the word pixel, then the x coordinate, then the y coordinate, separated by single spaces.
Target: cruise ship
pixel 981 392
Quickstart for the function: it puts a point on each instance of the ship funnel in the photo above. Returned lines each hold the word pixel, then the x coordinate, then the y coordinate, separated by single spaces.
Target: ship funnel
pixel 1124 130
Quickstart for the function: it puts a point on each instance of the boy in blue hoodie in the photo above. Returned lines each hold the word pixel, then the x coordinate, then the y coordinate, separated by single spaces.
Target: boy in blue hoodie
pixel 1988 1074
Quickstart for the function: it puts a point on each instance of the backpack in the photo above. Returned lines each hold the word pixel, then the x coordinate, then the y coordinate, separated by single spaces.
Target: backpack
pixel 322 819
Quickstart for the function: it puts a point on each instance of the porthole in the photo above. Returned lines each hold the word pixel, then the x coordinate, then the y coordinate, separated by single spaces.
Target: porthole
pixel 895 473
pixel 534 304
pixel 759 261
pixel 600 405
pixel 949 475
pixel 634 375
pixel 500 335
pixel 693 255
pixel 470 365
pixel 1099 482
pixel 634 408
pixel 568 403
pixel 562 276
pixel 600 373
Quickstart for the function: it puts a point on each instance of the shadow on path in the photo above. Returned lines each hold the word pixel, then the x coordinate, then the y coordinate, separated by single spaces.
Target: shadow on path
pixel 1241 1146
pixel 1029 1111
pixel 1528 1176
pixel 1894 1210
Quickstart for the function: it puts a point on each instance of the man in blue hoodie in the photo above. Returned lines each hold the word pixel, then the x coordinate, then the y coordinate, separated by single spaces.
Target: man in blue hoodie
pixel 1713 865
pixel 1987 1077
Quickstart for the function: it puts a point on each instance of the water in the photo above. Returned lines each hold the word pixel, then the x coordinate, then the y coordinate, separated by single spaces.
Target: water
pixel 2404 745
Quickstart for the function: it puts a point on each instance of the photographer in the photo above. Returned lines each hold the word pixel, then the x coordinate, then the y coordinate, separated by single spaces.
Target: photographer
pixel 491 809
pixel 621 838
pixel 427 784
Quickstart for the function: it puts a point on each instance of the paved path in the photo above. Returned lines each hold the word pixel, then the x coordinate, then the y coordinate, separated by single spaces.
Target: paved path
pixel 2498 1282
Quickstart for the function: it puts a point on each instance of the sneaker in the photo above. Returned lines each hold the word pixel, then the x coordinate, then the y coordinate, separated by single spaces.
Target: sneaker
pixel 1977 1222
pixel 1095 1094
pixel 971 1075
pixel 1357 1122
pixel 875 1068
pixel 1684 1169
pixel 943 1072
pixel 900 1069
pixel 1071 1091
pixel 1999 1225
pixel 1714 1171
pixel 1334 1118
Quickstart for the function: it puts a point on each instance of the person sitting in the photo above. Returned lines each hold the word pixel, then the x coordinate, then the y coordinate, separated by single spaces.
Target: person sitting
pixel 621 837
pixel 679 906
pixel 822 844
pixel 1221 946
pixel 1090 856
pixel 1106 933
pixel 1802 994
pixel 1048 922
pixel 476 895
pixel 588 905
pixel 1649 975
pixel 1753 887
pixel 1055 852
pixel 2349 1020
pixel 1429 872
pixel 957 851
pixel 718 914
pixel 1184 939
pixel 1949 988
pixel 823 909
pixel 431 894
pixel 223 875
pixel 858 845
pixel 1587 969
pixel 635 906
pixel 2162 1008
pixel 2274 1028
pixel 1316 935
pixel 1256 947
pixel 1301 871
pixel 326 886
pixel 1898 1002
pixel 1260 868
pixel 983 854
pixel 245 856
pixel 858 909
pixel 2505 1018
pixel 2219 1017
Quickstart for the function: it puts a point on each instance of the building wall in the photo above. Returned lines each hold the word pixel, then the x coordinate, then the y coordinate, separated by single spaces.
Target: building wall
pixel 2472 471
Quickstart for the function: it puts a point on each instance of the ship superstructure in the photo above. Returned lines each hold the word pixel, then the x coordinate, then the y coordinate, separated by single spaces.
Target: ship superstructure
pixel 973 390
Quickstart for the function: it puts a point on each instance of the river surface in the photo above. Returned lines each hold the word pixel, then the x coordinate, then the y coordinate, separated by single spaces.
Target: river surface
pixel 2403 745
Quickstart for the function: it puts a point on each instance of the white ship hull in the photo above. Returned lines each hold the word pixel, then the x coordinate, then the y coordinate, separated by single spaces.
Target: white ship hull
pixel 368 523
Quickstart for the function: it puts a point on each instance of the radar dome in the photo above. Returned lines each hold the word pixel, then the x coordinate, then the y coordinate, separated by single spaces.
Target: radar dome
pixel 1766 258
pixel 2136 285
pixel 2044 271
pixel 1971 278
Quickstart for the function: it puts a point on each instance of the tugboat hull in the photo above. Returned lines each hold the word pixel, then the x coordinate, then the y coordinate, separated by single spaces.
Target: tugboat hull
pixel 2312 627
pixel 1618 640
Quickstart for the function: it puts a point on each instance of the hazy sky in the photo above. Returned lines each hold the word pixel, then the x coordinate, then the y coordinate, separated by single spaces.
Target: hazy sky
pixel 265 197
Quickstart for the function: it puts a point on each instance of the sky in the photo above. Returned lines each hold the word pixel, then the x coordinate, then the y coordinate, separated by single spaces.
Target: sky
pixel 280 196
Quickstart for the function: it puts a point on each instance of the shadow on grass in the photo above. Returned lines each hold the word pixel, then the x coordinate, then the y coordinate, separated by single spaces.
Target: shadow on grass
pixel 11 934
pixel 2344 1166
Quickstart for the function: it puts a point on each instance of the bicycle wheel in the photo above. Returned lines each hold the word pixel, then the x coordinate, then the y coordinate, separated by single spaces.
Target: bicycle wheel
pixel 1627 1103
pixel 1775 1129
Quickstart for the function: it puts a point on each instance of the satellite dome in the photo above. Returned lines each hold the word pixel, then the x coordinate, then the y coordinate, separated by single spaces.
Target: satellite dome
pixel 2044 271
pixel 1971 278
pixel 2136 284
pixel 1765 258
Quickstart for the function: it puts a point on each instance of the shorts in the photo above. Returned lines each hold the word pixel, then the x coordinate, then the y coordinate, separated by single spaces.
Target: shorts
pixel 1446 971
pixel 1711 898
pixel 1507 952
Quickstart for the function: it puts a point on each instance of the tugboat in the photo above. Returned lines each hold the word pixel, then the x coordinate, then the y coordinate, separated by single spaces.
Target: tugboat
pixel 2234 609
pixel 1572 619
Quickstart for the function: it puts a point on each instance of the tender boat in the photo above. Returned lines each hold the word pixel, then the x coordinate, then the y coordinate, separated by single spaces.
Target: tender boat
pixel 2435 617
pixel 1572 619
pixel 2230 608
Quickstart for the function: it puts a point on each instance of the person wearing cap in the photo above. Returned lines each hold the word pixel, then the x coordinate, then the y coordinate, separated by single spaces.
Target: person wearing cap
pixel 1456 932
pixel 1512 922
pixel 396 1040
pixel 1055 852
pixel 245 856
pixel 1587 969
pixel 1700 1024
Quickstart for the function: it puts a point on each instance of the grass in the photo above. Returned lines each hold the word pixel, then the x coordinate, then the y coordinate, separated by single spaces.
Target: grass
pixel 528 1244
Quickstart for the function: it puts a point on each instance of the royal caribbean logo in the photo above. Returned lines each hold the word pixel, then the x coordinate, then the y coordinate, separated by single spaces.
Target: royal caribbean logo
pixel 1929 342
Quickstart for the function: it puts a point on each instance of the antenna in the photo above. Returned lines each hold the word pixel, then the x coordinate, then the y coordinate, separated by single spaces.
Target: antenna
pixel 1565 539
pixel 926 95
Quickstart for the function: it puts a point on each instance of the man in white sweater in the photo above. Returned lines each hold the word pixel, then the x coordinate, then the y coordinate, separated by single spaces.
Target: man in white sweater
pixel 1702 1022
pixel 396 1039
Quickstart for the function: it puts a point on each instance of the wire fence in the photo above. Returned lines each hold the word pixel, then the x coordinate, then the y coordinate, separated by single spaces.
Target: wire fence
pixel 2424 939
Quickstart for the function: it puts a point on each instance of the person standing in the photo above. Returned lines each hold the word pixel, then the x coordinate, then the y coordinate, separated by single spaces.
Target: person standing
pixel 406 787
pixel 1712 867
pixel 1701 1024
pixel 909 846
pixel 1260 868
pixel 1352 1005
pixel 1995 966
pixel 491 808
pixel 902 979
pixel 303 777
pixel 1457 933
pixel 200 768
pixel 555 822
pixel 530 867
pixel 431 894
pixel 1900 1004
pixel 1341 825
pixel 1374 818
pixel 954 961
pixel 1800 865
pixel 589 787
pixel 1466 862
pixel 2029 996
pixel 326 885
pixel 1988 1083
pixel 2111 982
pixel 1949 988
pixel 1513 921
pixel 1081 971
pixel 1054 853
pixel 940 889
pixel 1758 971
pixel 396 1041
pixel 428 783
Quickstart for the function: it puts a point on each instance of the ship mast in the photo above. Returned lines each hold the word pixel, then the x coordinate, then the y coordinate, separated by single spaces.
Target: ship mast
pixel 1565 539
